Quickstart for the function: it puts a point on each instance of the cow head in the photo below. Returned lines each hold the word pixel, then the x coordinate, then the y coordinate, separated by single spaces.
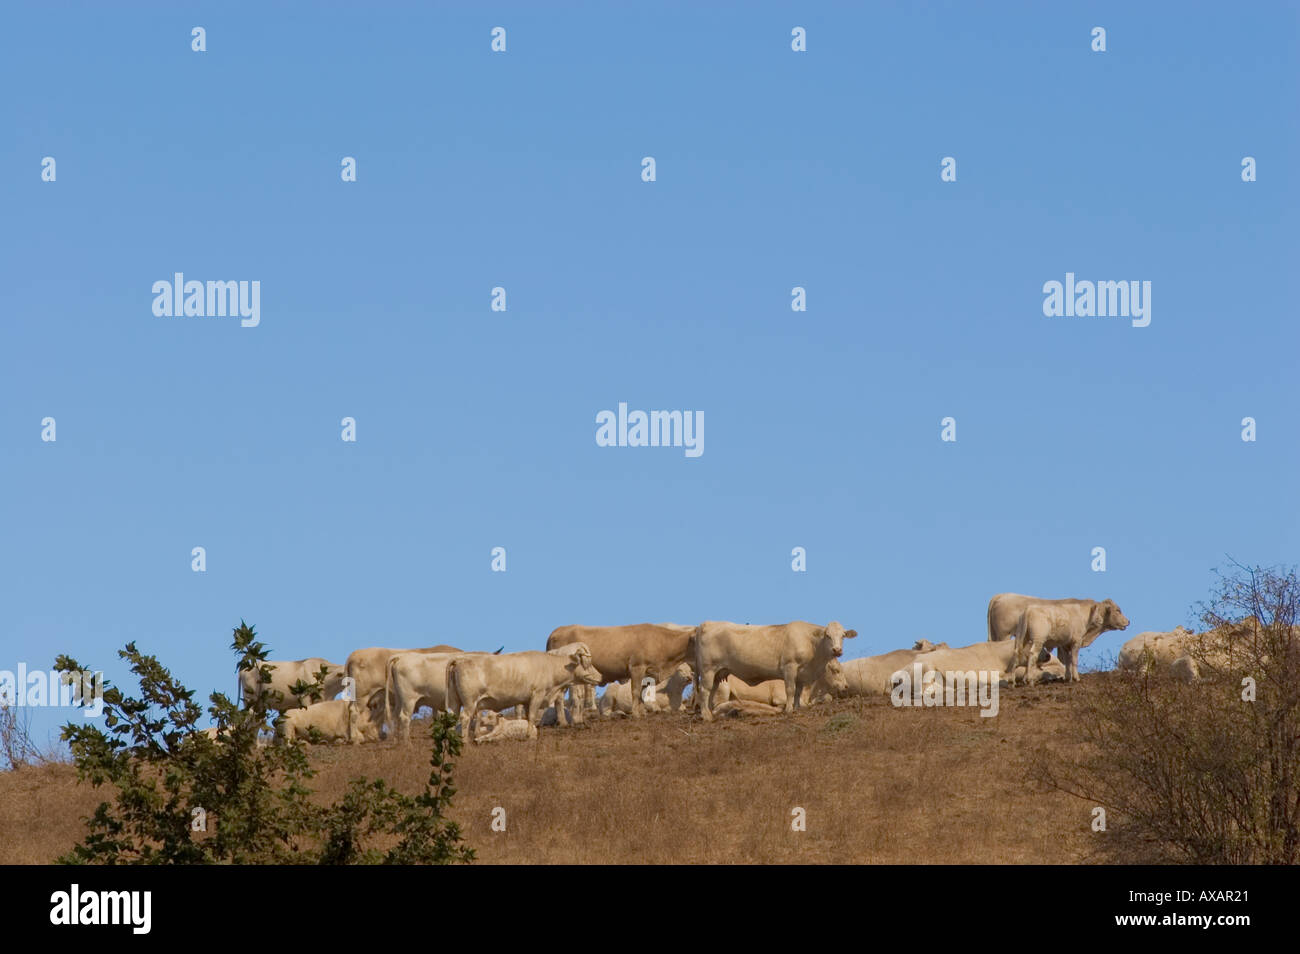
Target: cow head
pixel 925 646
pixel 580 665
pixel 1105 616
pixel 834 679
pixel 367 722
pixel 835 634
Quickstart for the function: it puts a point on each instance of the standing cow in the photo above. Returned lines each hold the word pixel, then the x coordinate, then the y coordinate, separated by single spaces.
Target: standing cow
pixel 525 680
pixel 1064 625
pixel 368 670
pixel 414 680
pixel 796 653
pixel 629 652
pixel 1005 610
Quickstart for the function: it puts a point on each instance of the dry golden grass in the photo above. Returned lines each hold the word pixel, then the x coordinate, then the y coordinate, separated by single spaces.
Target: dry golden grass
pixel 879 785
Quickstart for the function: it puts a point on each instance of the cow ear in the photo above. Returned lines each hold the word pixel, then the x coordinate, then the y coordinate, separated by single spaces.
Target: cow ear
pixel 850 633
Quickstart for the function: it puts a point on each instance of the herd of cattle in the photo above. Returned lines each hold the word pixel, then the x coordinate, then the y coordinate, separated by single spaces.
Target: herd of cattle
pixel 647 667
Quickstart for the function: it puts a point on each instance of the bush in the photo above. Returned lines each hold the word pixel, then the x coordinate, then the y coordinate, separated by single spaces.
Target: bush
pixel 17 750
pixel 253 801
pixel 1205 772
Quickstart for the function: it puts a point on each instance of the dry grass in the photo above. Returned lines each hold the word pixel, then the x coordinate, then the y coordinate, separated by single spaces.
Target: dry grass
pixel 879 785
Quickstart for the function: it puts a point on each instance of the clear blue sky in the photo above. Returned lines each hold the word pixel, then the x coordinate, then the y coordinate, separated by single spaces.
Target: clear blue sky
pixel 476 429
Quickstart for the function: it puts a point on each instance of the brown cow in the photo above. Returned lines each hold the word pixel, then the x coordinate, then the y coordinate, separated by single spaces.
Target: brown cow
pixel 630 652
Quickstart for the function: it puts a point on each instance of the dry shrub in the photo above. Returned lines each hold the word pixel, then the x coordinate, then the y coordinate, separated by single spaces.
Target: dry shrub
pixel 1204 771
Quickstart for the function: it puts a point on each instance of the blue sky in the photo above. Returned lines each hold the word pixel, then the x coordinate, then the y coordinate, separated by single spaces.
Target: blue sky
pixel 476 428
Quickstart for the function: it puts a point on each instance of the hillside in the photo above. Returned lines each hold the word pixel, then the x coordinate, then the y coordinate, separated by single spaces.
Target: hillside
pixel 879 785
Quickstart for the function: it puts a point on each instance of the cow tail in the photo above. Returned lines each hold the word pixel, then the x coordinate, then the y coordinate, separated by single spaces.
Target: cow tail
pixel 693 653
pixel 990 618
pixel 388 695
pixel 1022 629
pixel 453 691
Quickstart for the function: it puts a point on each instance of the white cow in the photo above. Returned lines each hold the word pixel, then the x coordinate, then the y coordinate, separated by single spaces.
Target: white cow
pixel 368 670
pixel 1154 650
pixel 1181 653
pixel 796 653
pixel 285 674
pixel 995 657
pixel 494 729
pixel 1066 626
pixel 414 680
pixel 527 680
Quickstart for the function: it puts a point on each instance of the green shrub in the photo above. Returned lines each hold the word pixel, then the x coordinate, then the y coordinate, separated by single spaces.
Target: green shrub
pixel 255 799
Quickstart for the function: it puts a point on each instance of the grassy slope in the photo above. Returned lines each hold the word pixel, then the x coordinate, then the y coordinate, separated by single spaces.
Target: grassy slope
pixel 878 784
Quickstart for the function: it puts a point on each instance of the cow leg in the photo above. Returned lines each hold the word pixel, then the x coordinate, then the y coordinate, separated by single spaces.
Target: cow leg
pixel 1033 674
pixel 577 703
pixel 635 675
pixel 403 728
pixel 705 688
pixel 354 715
pixel 1070 657
pixel 790 673
pixel 554 700
pixel 536 705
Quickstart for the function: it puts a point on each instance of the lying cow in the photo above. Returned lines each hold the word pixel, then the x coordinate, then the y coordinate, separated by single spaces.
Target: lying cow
pixel 1066 626
pixel 771 692
pixel 1183 654
pixel 335 721
pixel 527 680
pixel 1153 650
pixel 285 674
pixel 629 653
pixel 734 708
pixel 492 728
pixel 872 675
pixel 796 653
pixel 997 657
pixel 668 694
